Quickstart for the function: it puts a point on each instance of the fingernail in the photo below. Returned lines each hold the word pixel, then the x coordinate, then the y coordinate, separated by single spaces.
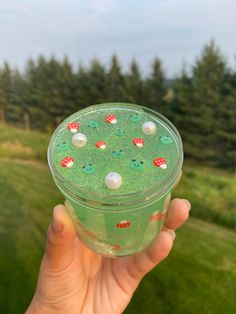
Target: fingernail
pixel 56 224
pixel 172 233
pixel 187 202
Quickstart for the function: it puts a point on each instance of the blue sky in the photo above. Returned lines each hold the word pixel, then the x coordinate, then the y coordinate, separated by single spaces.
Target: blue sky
pixel 173 30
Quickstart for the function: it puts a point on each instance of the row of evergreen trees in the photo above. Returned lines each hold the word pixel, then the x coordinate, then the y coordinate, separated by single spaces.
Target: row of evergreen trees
pixel 200 102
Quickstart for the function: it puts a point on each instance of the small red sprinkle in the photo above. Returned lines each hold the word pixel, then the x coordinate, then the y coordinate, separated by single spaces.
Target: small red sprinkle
pixel 123 224
pixel 116 247
pixel 157 216
pixel 90 234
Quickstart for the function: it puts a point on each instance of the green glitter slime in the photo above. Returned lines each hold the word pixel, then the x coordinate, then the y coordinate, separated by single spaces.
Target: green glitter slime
pixel 115 233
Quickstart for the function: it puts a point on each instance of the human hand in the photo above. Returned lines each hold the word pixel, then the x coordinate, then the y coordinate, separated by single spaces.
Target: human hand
pixel 75 280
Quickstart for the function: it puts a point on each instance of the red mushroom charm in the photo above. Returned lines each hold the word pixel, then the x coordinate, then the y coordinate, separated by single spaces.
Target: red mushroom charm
pixel 73 127
pixel 101 144
pixel 160 162
pixel 116 247
pixel 90 234
pixel 67 162
pixel 158 215
pixel 123 224
pixel 111 119
pixel 139 142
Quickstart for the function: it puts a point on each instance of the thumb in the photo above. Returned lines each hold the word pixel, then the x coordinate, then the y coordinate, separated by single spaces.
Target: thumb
pixel 60 245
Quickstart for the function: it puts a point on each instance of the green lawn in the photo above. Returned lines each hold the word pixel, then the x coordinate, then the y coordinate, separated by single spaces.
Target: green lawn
pixel 21 144
pixel 198 276
pixel 212 193
pixel 27 196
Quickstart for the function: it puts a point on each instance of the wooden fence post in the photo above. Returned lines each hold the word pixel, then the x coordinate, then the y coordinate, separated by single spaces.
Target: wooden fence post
pixel 2 116
pixel 26 119
pixel 58 120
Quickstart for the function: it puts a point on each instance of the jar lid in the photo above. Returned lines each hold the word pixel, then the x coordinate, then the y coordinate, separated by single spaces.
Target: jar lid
pixel 115 153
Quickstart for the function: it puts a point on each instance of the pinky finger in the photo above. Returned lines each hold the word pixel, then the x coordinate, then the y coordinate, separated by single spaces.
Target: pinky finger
pixel 140 264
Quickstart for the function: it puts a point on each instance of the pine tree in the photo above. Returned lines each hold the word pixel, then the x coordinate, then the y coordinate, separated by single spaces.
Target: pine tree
pixel 31 94
pixel 199 100
pixel 53 89
pixel 82 88
pixel 5 89
pixel 226 131
pixel 97 83
pixel 17 108
pixel 208 84
pixel 33 77
pixel 183 112
pixel 115 82
pixel 68 89
pixel 154 87
pixel 134 85
pixel 51 77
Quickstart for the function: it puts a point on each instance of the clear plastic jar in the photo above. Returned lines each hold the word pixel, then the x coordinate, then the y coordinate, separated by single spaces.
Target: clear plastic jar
pixel 125 220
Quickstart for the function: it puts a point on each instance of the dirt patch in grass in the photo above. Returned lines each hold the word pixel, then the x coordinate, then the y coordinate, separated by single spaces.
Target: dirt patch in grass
pixel 16 150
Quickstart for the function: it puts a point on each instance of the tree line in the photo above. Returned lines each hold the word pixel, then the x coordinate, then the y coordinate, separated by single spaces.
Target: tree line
pixel 201 101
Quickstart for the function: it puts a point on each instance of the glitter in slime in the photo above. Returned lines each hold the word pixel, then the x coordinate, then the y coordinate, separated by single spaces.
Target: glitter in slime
pixel 144 153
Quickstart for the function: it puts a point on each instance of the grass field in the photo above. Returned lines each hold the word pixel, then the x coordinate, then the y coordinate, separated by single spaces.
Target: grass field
pixel 20 144
pixel 198 276
pixel 212 193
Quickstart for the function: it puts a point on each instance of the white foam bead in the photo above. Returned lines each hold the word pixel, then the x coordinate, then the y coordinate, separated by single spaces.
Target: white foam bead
pixel 79 140
pixel 113 180
pixel 149 128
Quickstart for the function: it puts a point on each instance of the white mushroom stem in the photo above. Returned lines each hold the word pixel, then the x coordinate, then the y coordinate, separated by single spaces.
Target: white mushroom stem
pixel 70 164
pixel 163 166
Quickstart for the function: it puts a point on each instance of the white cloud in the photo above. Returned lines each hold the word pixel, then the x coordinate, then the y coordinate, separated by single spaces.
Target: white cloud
pixel 101 6
pixel 203 14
